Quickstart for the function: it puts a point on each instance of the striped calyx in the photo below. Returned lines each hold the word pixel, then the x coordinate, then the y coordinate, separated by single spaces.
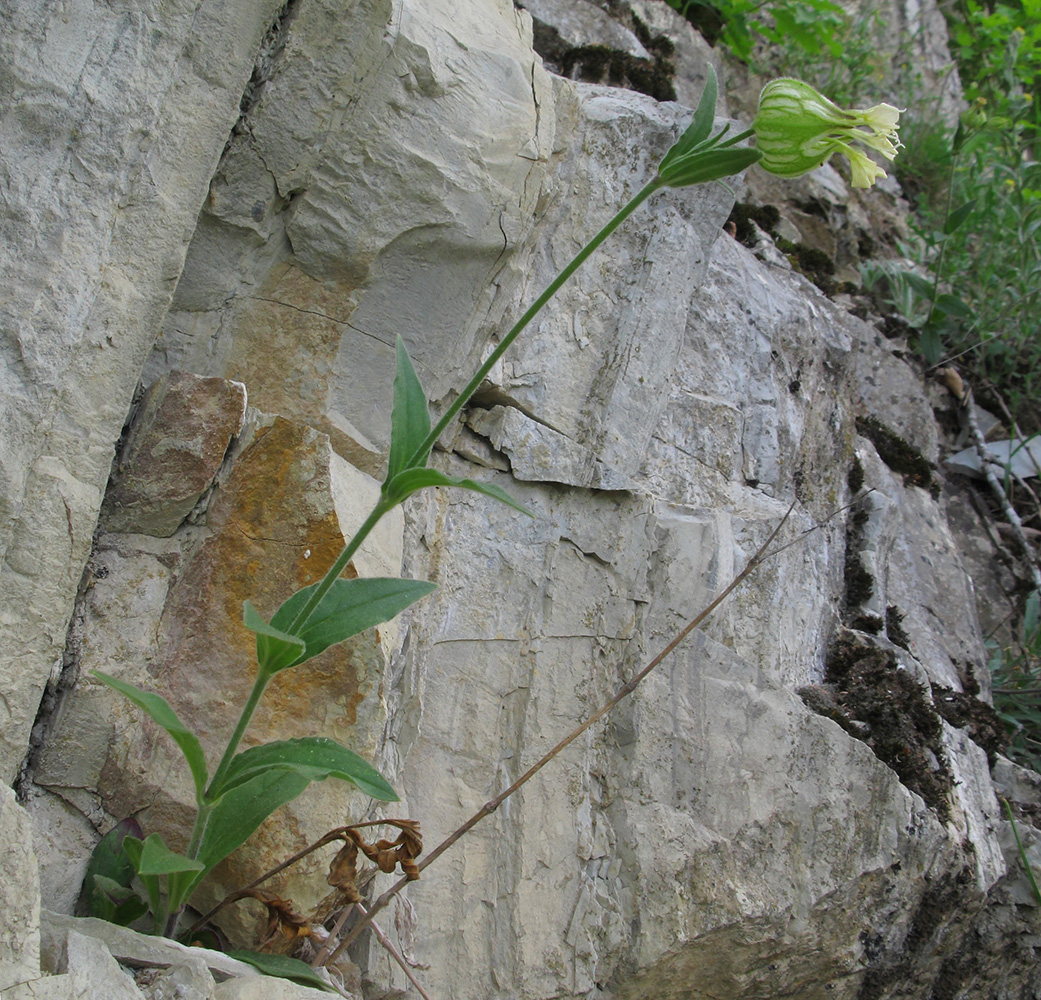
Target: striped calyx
pixel 797 129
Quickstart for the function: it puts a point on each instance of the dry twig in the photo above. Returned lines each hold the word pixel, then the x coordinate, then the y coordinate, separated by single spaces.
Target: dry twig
pixel 626 689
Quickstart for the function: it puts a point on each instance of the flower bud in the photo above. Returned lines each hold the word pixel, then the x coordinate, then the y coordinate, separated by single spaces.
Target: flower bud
pixel 797 129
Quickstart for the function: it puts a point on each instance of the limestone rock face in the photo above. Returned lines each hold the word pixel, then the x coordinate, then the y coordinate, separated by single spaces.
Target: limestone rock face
pixel 20 925
pixel 113 121
pixel 780 809
pixel 176 444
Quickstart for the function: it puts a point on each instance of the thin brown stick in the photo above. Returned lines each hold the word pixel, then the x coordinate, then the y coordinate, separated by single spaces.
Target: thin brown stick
pixel 986 458
pixel 337 834
pixel 323 952
pixel 340 833
pixel 385 941
pixel 626 689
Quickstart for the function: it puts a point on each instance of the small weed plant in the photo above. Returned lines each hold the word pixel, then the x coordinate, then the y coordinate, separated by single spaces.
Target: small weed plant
pixel 1016 673
pixel 970 289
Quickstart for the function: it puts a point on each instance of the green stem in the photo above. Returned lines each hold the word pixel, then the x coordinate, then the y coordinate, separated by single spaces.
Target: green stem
pixel 420 455
pixel 229 752
pixel 255 695
pixel 339 566
pixel 747 134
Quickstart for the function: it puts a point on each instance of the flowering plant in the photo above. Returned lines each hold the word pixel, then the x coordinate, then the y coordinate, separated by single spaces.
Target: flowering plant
pixel 797 129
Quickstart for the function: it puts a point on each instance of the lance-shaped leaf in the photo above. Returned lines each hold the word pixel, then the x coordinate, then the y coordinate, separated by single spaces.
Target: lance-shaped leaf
pixel 283 967
pixel 958 216
pixel 118 904
pixel 151 859
pixel 161 712
pixel 708 165
pixel 315 758
pixel 276 649
pixel 406 483
pixel 236 816
pixel 350 607
pixel 134 847
pixel 109 862
pixel 409 418
pixel 155 858
pixel 698 130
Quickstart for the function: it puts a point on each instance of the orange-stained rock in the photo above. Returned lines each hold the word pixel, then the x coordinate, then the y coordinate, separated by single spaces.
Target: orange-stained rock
pixel 176 444
pixel 273 525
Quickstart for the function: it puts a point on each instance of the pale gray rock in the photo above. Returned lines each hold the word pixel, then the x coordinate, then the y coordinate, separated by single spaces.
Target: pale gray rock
pixel 410 169
pixel 915 567
pixel 65 831
pixel 20 914
pixel 174 447
pixel 693 55
pixel 84 959
pixel 80 954
pixel 1021 457
pixel 112 124
pixel 541 454
pixel 266 988
pixel 579 22
pixel 188 980
pixel 130 947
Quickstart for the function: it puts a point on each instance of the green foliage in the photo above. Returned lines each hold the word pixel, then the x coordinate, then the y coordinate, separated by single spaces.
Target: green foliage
pixel 978 235
pixel 161 712
pixel 998 50
pixel 313 757
pixel 698 157
pixel 815 40
pixel 284 967
pixel 1016 673
pixel 348 608
pixel 108 890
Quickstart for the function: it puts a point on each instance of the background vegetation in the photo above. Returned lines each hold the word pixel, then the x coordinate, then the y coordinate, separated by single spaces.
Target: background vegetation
pixel 966 287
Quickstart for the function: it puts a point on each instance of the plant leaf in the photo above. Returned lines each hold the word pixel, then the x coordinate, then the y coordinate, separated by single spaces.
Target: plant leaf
pixel 931 346
pixel 410 416
pixel 951 305
pixel 283 967
pixel 923 286
pixel 116 903
pixel 408 482
pixel 276 649
pixel 315 758
pixel 157 859
pixel 238 813
pixel 160 711
pixel 700 126
pixel 699 167
pixel 108 861
pixel 958 216
pixel 134 848
pixel 350 607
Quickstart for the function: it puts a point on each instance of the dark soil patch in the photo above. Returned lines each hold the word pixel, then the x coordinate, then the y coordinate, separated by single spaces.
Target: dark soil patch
pixel 963 711
pixel 877 702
